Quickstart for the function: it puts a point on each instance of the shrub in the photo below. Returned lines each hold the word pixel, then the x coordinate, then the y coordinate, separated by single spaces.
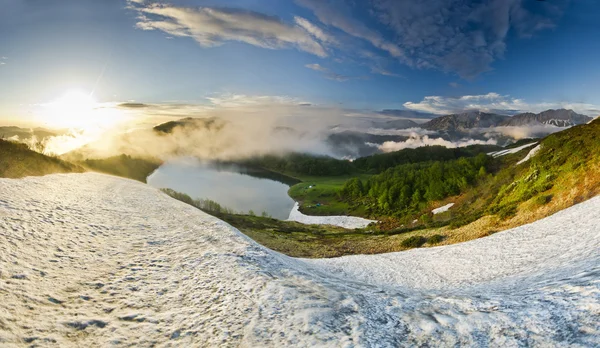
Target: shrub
pixel 414 242
pixel 265 214
pixel 435 239
pixel 543 199
pixel 465 220
pixel 206 205
pixel 507 212
pixel 426 219
pixel 178 195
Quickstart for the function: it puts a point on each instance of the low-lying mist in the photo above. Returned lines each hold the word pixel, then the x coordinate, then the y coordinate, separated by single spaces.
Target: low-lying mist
pixel 417 140
pixel 237 131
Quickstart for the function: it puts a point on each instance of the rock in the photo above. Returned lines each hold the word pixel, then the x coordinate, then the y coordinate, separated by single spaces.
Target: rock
pixel 55 300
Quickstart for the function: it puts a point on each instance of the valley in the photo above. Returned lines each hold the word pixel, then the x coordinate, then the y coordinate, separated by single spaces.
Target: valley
pixel 299 173
pixel 497 192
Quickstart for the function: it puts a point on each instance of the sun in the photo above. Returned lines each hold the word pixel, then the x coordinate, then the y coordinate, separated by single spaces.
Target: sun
pixel 74 100
pixel 76 109
pixel 71 110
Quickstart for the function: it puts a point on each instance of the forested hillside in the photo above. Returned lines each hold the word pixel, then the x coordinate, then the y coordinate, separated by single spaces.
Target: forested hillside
pixel 403 189
pixel 380 162
pixel 298 164
pixel 17 161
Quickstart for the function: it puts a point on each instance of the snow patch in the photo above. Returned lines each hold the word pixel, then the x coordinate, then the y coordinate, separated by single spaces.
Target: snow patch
pixel 341 221
pixel 442 209
pixel 530 154
pixel 509 151
pixel 94 260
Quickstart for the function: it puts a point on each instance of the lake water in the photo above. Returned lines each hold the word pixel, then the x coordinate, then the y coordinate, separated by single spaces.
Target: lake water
pixel 232 186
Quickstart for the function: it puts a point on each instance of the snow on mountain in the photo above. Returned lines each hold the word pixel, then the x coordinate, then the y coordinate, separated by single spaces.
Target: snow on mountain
pixel 558 118
pixel 477 119
pixel 442 209
pixel 510 151
pixel 531 153
pixel 94 260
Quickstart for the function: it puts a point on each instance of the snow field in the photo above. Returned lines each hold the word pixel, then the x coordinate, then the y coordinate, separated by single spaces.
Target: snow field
pixel 509 151
pixel 442 209
pixel 342 221
pixel 531 153
pixel 94 260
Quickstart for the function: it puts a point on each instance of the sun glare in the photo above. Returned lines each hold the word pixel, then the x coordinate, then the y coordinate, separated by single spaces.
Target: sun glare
pixel 77 109
pixel 75 99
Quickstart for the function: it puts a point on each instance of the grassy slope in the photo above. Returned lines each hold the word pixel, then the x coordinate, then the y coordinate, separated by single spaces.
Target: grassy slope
pixel 317 241
pixel 310 241
pixel 17 161
pixel 324 193
pixel 566 171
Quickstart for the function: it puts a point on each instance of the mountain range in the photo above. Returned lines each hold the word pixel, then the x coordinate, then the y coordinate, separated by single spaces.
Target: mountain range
pixel 558 118
pixel 478 119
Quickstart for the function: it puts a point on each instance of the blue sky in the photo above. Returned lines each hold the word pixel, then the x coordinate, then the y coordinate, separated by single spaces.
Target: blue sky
pixel 370 55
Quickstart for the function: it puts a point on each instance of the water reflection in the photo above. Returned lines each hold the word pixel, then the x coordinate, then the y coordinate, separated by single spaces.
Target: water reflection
pixel 230 185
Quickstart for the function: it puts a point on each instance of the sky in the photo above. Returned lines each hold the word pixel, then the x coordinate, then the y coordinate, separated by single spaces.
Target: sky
pixel 188 57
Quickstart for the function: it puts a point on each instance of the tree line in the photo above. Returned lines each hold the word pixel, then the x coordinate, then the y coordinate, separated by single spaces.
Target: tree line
pixel 405 188
pixel 306 164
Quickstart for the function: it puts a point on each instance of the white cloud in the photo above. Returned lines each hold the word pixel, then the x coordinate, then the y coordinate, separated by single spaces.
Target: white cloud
pixel 462 37
pixel 316 67
pixel 214 26
pixel 419 141
pixel 522 132
pixel 361 128
pixel 381 71
pixel 328 73
pixel 450 35
pixel 242 100
pixel 335 15
pixel 315 31
pixel 493 102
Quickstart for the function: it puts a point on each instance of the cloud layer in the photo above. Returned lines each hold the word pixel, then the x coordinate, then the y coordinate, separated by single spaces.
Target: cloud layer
pixel 493 102
pixel 336 14
pixel 214 26
pixel 417 140
pixel 237 126
pixel 455 36
pixel 462 36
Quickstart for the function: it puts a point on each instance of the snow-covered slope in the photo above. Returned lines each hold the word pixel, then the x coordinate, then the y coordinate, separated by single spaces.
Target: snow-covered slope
pixel 93 260
pixel 342 221
pixel 531 153
pixel 443 209
pixel 510 151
